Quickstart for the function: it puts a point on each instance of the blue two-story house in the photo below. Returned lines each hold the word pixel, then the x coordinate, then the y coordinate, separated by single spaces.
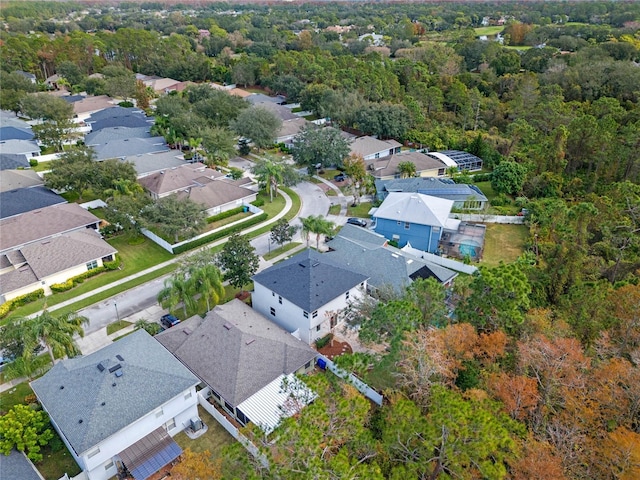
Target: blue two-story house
pixel 414 218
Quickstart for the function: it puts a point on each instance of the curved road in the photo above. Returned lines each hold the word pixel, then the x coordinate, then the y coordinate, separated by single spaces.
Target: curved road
pixel 140 302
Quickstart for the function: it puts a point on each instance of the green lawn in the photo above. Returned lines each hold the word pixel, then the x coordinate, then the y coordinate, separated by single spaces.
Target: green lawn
pixel 214 440
pixel 361 210
pixel 280 250
pixel 488 31
pixel 144 255
pixel 14 396
pixel 115 326
pixel 226 221
pixel 57 460
pixel 503 243
pixel 334 209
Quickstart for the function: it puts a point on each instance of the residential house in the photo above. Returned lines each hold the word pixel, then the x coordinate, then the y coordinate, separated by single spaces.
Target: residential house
pixel 15 133
pixel 29 76
pixel 161 84
pixel 26 148
pixel 370 254
pixel 91 104
pixel 118 117
pixel 120 406
pixel 282 112
pixel 12 161
pixel 116 133
pixel 201 184
pixel 386 168
pixel 231 89
pixel 414 218
pixel 47 246
pixel 468 197
pixel 124 147
pixel 289 129
pixel 463 161
pixel 258 99
pixel 371 148
pixel 21 200
pixel 304 294
pixel 17 466
pixel 10 119
pixel 14 179
pixel 244 359
pixel 150 163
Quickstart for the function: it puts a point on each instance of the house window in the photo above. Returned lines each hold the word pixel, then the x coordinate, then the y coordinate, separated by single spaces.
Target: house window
pixel 109 465
pixel 229 407
pixel 440 172
pixel 273 294
pixel 346 295
pixel 315 314
pixel 91 265
pixel 318 328
pixel 215 395
pixel 188 395
pixel 406 225
pixel 279 299
pixel 399 222
pixel 93 453
pixel 307 365
pixel 272 311
pixel 305 314
pixel 171 424
pixel 377 155
pixel 159 413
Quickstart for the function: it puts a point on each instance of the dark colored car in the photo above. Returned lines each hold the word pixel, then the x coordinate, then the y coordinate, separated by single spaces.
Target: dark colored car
pixel 169 321
pixel 357 221
pixel 341 177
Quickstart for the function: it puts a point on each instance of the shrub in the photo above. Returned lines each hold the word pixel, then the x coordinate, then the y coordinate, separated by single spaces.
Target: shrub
pixel 481 177
pixel 11 305
pixel 111 265
pixel 33 162
pixel 223 215
pixel 220 234
pixel 500 200
pixel 324 341
pixel 125 104
pixel 62 287
pixel 259 202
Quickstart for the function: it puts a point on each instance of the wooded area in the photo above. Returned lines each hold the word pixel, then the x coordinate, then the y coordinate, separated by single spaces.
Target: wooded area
pixel 537 372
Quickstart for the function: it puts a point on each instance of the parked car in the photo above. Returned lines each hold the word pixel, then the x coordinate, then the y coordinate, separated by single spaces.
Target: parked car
pixel 341 177
pixel 357 221
pixel 169 321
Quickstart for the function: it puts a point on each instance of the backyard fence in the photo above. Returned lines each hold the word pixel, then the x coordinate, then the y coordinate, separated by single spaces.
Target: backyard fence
pixel 229 427
pixel 479 217
pixel 362 387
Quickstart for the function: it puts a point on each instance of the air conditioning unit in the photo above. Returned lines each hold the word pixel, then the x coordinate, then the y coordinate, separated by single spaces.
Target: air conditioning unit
pixel 196 424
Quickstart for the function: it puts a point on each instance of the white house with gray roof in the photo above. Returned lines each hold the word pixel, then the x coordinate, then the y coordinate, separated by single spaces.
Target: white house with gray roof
pixel 304 294
pixel 120 405
pixel 243 358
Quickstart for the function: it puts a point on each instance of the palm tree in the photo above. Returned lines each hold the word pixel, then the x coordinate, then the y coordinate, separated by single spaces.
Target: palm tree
pixel 55 332
pixel 150 327
pixel 207 282
pixel 177 290
pixel 407 169
pixel 316 224
pixel 272 171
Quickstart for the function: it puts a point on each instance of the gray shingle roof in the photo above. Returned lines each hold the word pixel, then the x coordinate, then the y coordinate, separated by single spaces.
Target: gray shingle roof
pixel 129 146
pixel 42 223
pixel 308 281
pixel 21 200
pixel 366 146
pixel 10 119
pixel 282 112
pixel 150 163
pixel 151 376
pixel 116 133
pixel 366 252
pixel 13 179
pixel 215 194
pixel 17 467
pixel 118 117
pixel 435 187
pixel 174 179
pixel 236 350
pixel 14 133
pixel 21 147
pixel 10 161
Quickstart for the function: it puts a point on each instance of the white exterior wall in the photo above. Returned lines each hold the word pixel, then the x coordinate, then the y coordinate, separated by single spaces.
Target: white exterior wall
pixel 178 408
pixel 291 317
pixel 234 204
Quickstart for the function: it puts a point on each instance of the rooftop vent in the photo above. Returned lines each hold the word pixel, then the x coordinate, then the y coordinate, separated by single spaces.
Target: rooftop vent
pixel 118 373
pixel 80 421
pixel 61 387
pixel 315 264
pixel 302 265
pixel 115 367
pixel 103 404
pixel 119 357
pixel 100 367
pixel 227 326
pixel 249 342
pixel 113 384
